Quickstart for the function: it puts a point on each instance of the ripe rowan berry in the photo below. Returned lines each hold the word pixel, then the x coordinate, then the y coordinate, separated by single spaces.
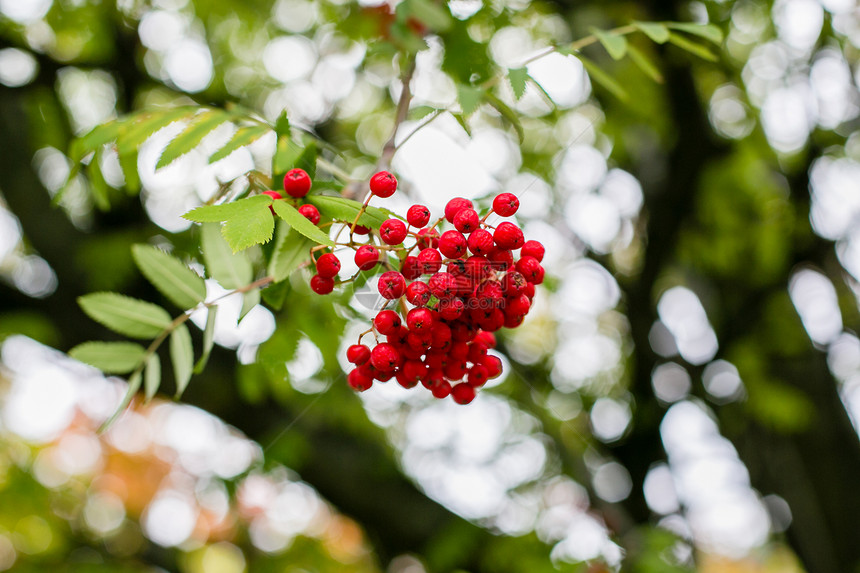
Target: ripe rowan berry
pixel 442 389
pixel 383 184
pixel 359 380
pixel 506 204
pixel 392 232
pixel 391 285
pixel 518 306
pixel 361 230
pixel 430 261
pixel 513 283
pixel 358 354
pixel 387 322
pixel 530 268
pixel 418 215
pixel 414 371
pixel 451 309
pixel 420 320
pixel 493 365
pixel 411 268
pixel 385 357
pixel 442 285
pixel 328 265
pixel 532 249
pixel 428 238
pixel 463 393
pixel 321 285
pixel 485 339
pixel 366 257
pixel 508 236
pixel 501 259
pixel 273 194
pixel 452 244
pixel 454 206
pixel 310 213
pixel 477 376
pixel 297 183
pixel 481 242
pixel 418 293
pixel 466 220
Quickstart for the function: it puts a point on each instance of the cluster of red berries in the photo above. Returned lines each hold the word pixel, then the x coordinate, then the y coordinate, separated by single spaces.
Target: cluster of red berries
pixel 458 287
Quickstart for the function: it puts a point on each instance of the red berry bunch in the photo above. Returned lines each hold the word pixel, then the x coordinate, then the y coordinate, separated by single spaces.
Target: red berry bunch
pixel 453 289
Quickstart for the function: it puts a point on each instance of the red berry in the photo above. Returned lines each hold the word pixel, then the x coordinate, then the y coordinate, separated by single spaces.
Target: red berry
pixel 452 244
pixel 493 365
pixel 428 238
pixel 399 336
pixel 485 339
pixel 297 182
pixel 383 184
pixel 530 268
pixel 321 285
pixel 454 206
pixel 414 371
pixel 420 320
pixel 366 257
pixel 529 290
pixel 310 213
pixel 404 381
pixel 391 285
pixel 455 370
pixel 501 259
pixel 387 322
pixel 506 204
pixel 440 335
pixel 441 389
pixel 476 353
pixel 419 343
pixel 532 249
pixel 392 231
pixel 418 293
pixel 361 230
pixel 477 376
pixel 513 320
pixel 478 268
pixel 462 332
pixel 418 215
pixel 274 195
pixel 513 283
pixel 411 268
pixel 430 261
pixel 518 306
pixel 491 291
pixel 383 376
pixel 466 220
pixel 463 393
pixel 442 285
pixel 385 357
pixel 508 236
pixel 459 350
pixel 328 265
pixel 358 354
pixel 481 242
pixel 359 380
pixel 451 309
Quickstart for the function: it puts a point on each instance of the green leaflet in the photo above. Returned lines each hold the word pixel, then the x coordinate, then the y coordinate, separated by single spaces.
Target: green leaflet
pixel 93 140
pixel 243 136
pixel 189 138
pixel 518 78
pixel 470 99
pixel 151 376
pixel 298 222
pixel 658 33
pixel 126 315
pixel 250 299
pixel 109 357
pixel 133 387
pixel 291 250
pixel 614 44
pixel 182 357
pixel 226 211
pixel 231 270
pixel 692 47
pixel 208 339
pixel 644 64
pixel 343 209
pixel 282 125
pixel 604 79
pixel 170 276
pixel 251 226
pixel 708 32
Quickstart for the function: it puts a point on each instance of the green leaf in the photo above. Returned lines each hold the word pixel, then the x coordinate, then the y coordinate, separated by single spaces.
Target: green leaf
pixel 98 186
pixel 464 122
pixel 225 211
pixel 151 376
pixel 131 390
pixel 282 125
pixel 128 164
pixel 141 126
pixel 614 44
pixel 170 276
pixel 249 300
pixel 470 99
pixel 243 136
pixel 198 128
pixel 182 357
pixel 251 226
pixel 518 77
pixel 110 357
pixel 298 222
pixel 291 250
pixel 93 140
pixel 231 270
pixel 644 64
pixel 604 79
pixel 208 339
pixel 709 32
pixel 692 47
pixel 126 315
pixel 283 158
pixel 308 160
pixel 343 209
pixel 507 113
pixel 275 294
pixel 431 14
pixel 658 33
